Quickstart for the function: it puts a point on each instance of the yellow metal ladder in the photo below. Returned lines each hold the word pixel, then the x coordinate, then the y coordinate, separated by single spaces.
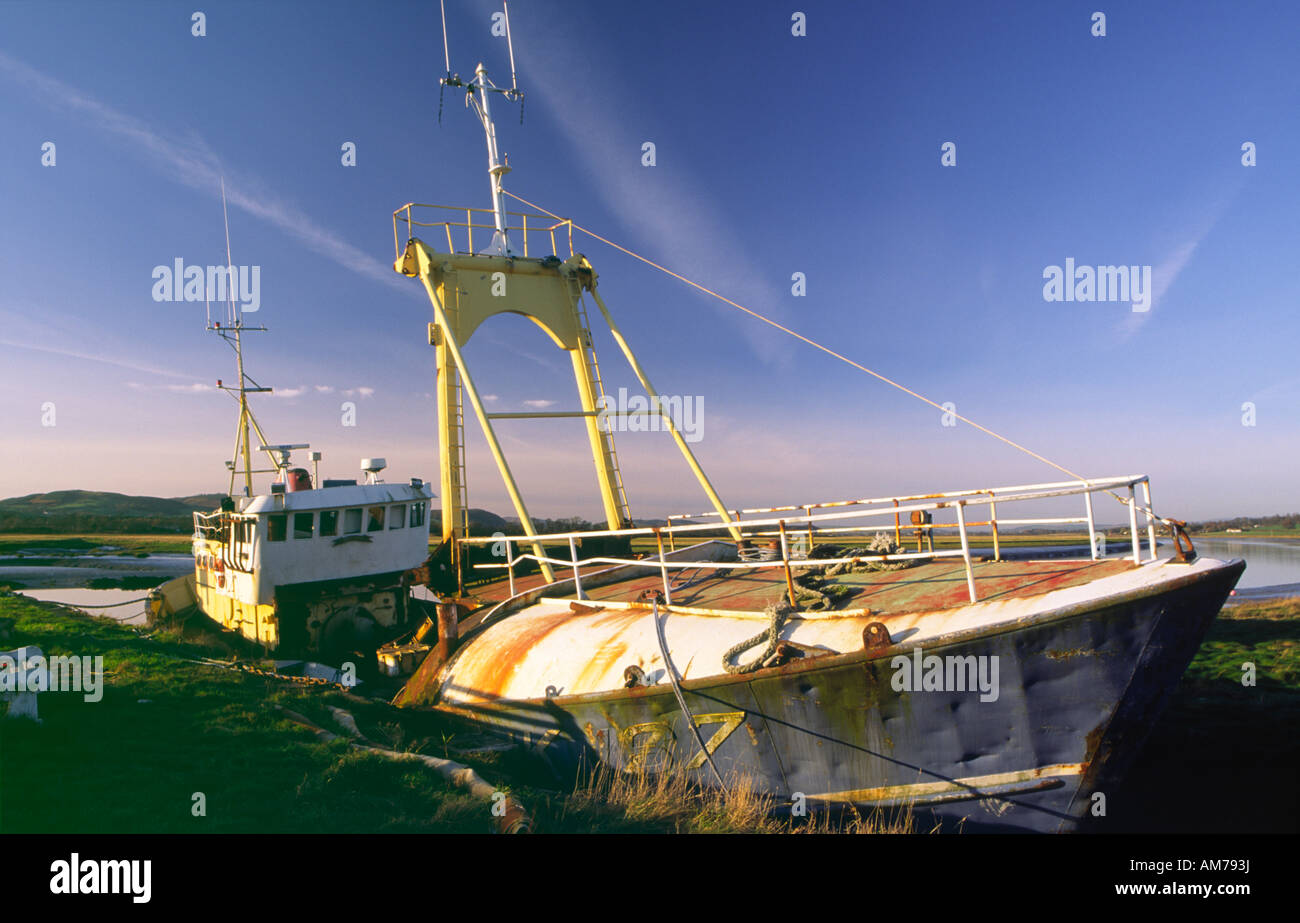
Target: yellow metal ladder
pixel 607 437
pixel 457 448
pixel 458 452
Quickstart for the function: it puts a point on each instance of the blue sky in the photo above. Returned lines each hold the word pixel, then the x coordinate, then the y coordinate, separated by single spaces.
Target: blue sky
pixel 775 154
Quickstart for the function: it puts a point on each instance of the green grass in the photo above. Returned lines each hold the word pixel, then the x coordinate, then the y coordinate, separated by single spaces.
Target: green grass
pixel 1266 633
pixel 88 542
pixel 167 728
pixel 127 765
pixel 1223 758
pixel 1293 534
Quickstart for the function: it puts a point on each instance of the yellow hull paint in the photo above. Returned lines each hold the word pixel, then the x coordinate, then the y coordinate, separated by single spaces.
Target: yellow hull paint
pixel 172 597
pixel 253 621
pixel 969 787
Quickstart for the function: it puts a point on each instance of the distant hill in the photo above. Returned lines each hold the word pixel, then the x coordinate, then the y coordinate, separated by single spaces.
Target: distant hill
pixel 1282 522
pixel 202 502
pixel 480 521
pixel 63 511
pixel 102 503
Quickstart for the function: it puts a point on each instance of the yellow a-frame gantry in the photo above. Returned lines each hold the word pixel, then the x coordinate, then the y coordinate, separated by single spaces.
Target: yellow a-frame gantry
pixel 465 290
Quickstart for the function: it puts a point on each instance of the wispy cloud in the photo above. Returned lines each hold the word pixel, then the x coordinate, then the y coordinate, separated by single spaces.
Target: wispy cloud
pixel 196 388
pixel 362 391
pixel 539 405
pixel 687 225
pixel 1166 273
pixel 514 350
pixel 193 163
pixel 90 357
pixel 1286 387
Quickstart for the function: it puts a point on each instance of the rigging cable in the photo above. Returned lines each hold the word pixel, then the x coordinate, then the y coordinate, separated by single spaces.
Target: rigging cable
pixel 677 692
pixel 815 344
pixel 446 55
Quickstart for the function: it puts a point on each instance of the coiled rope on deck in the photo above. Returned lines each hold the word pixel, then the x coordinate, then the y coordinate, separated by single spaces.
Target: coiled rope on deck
pixel 778 613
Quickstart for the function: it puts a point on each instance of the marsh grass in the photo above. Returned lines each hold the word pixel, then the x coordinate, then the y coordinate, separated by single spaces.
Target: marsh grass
pixel 1225 737
pixel 668 796
pixel 169 726
pixel 126 544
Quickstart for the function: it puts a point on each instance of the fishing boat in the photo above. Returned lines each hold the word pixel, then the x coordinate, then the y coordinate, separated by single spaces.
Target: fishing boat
pixel 889 652
pixel 311 566
pixel 319 567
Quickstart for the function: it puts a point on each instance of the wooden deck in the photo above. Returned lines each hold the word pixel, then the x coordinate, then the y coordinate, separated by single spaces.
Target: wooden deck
pixel 924 587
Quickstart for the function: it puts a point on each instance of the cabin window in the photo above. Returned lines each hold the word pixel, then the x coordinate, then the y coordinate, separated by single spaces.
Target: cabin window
pixel 376 520
pixel 276 526
pixel 329 522
pixel 351 522
pixel 396 517
pixel 417 514
pixel 302 524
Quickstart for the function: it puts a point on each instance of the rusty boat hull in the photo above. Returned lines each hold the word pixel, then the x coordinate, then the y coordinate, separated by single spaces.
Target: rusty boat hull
pixel 1081 685
pixel 1049 673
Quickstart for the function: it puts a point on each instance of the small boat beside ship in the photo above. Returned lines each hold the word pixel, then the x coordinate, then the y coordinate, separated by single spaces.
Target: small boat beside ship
pixel 311 566
pixel 322 569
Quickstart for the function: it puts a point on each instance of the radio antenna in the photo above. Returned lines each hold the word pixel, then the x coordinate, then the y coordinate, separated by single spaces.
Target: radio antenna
pixel 233 333
pixel 446 55
pixel 477 92
pixel 231 317
pixel 514 84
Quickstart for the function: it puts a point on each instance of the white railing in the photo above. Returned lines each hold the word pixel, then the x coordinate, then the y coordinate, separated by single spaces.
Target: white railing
pixel 546 235
pixel 235 532
pixel 921 507
pixel 209 525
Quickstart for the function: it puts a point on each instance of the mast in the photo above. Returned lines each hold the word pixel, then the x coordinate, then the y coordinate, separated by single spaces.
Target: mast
pixel 547 289
pixel 496 169
pixel 232 332
pixel 243 414
pixel 476 97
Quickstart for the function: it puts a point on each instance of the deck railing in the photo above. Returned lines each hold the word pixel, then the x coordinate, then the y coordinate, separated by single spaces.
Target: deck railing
pixel 921 509
pixel 539 235
pixel 234 532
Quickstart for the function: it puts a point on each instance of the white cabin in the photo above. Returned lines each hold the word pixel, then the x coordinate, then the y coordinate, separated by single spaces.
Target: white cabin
pixel 339 531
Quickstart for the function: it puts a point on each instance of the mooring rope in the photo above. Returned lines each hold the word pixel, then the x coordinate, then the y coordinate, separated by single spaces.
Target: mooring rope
pixel 103 606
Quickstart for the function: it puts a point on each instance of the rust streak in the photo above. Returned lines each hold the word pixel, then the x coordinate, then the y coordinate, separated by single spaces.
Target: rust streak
pixel 607 656
pixel 490 675
pixel 622 618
